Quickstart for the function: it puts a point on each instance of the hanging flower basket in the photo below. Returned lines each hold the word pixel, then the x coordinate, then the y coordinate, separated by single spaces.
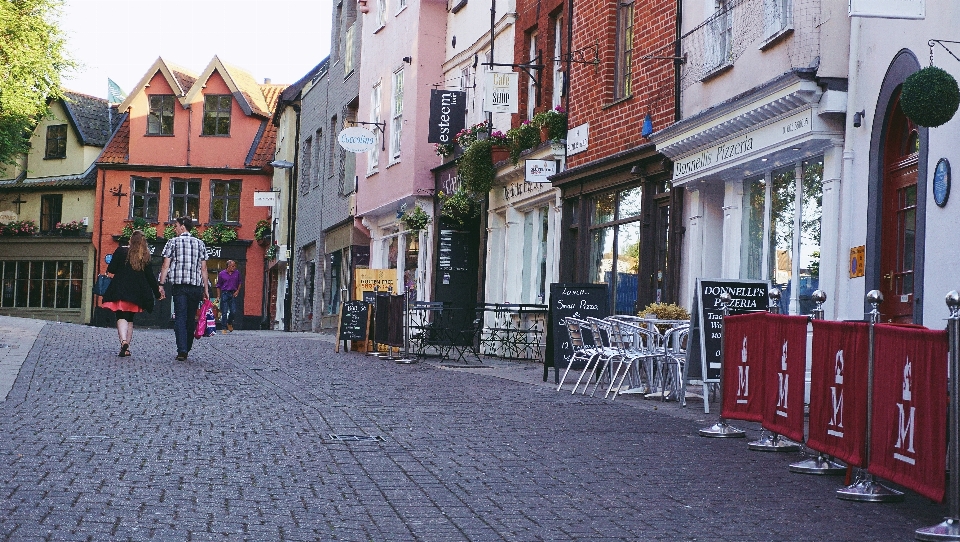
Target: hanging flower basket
pixel 416 219
pixel 476 167
pixel 930 97
pixel 458 207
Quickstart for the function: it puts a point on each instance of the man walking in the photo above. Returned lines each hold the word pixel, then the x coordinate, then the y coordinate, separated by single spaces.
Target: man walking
pixel 185 268
pixel 228 282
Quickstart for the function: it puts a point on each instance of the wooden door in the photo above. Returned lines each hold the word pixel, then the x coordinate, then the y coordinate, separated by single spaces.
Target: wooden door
pixel 898 227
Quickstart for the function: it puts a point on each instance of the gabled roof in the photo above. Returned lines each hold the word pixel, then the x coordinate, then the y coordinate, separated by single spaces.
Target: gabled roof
pixel 90 116
pixel 117 150
pixel 180 80
pixel 292 93
pixel 244 87
pixel 264 145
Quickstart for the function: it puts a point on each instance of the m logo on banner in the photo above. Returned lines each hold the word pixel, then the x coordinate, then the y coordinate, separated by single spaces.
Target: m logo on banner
pixel 836 398
pixel 783 380
pixel 905 429
pixel 743 383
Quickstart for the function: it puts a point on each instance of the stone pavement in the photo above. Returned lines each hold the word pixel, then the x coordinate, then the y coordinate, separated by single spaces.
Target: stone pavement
pixel 239 443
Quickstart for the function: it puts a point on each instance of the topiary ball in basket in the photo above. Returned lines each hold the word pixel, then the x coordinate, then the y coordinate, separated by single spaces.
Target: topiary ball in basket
pixel 930 97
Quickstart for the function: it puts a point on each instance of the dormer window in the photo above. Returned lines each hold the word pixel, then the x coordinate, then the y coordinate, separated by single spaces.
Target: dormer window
pixel 160 119
pixel 56 141
pixel 216 114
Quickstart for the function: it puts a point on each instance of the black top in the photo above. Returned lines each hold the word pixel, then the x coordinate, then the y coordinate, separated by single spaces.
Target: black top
pixel 138 287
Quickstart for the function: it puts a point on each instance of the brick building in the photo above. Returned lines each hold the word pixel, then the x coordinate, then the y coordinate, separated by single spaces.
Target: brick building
pixel 197 145
pixel 621 220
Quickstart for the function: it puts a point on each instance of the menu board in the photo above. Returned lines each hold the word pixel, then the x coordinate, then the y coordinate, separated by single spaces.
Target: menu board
pixel 452 251
pixel 578 301
pixel 354 319
pixel 748 296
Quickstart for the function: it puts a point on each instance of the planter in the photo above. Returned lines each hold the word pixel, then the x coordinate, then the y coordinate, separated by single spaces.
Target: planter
pixel 499 154
pixel 263 242
pixel 544 133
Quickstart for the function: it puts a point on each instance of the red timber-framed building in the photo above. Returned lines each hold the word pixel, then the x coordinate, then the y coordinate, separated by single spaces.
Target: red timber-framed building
pixel 621 219
pixel 197 145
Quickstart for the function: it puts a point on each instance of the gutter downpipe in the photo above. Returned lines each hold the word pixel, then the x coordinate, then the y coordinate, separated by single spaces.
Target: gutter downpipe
pixel 848 154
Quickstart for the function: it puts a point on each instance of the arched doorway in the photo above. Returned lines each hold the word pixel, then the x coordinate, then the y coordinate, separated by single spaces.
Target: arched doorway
pixel 898 220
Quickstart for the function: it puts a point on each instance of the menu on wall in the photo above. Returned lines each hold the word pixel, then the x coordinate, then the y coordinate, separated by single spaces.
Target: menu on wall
pixel 452 251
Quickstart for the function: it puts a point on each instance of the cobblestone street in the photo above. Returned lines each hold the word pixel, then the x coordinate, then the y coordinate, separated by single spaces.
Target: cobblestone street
pixel 238 444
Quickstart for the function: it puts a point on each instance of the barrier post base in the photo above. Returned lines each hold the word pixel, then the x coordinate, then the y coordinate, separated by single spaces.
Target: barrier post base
pixel 818 465
pixel 774 443
pixel 405 361
pixel 866 489
pixel 949 529
pixel 722 430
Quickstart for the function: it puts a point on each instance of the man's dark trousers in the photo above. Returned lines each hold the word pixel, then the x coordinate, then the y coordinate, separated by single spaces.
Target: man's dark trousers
pixel 186 302
pixel 228 306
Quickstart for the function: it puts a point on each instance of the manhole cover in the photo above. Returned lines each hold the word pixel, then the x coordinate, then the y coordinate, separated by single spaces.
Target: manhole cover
pixel 356 438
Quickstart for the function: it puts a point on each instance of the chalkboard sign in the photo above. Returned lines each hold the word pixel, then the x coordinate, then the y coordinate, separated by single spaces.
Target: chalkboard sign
pixel 748 296
pixel 578 301
pixel 354 320
pixel 453 252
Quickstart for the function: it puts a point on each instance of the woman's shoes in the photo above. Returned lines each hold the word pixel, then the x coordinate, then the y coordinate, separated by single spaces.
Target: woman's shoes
pixel 124 350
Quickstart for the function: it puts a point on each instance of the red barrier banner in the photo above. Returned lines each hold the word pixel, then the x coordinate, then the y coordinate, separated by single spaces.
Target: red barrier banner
pixel 784 365
pixel 908 441
pixel 744 349
pixel 838 390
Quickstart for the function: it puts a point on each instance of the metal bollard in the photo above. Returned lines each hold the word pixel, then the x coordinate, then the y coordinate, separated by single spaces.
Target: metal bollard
pixel 865 488
pixel 770 441
pixel 822 464
pixel 722 429
pixel 949 529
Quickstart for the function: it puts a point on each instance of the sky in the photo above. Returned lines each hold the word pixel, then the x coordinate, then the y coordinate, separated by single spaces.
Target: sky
pixel 120 39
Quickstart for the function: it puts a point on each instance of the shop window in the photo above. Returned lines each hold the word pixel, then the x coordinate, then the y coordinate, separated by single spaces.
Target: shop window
pixel 393 247
pixel 615 246
pixel 781 232
pixel 144 197
pixel 411 262
pixel 225 201
pixel 534 269
pixel 51 211
pixel 42 284
pixel 184 198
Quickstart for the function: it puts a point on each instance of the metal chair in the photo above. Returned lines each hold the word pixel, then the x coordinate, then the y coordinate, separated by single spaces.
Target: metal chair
pixel 645 346
pixel 673 364
pixel 583 351
pixel 614 356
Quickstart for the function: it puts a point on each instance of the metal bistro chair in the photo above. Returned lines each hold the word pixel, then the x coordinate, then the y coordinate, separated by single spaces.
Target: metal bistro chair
pixel 645 346
pixel 582 350
pixel 616 362
pixel 673 364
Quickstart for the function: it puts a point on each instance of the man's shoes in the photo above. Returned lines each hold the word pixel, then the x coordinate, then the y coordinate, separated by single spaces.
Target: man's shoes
pixel 182 356
pixel 229 328
pixel 226 330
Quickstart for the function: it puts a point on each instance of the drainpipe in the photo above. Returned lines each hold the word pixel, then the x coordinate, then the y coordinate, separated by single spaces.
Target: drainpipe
pixel 848 154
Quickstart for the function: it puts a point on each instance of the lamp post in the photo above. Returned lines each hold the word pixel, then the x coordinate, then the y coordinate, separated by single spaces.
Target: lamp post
pixel 291 213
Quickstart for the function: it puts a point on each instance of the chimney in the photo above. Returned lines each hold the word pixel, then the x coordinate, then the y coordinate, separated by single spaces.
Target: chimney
pixel 266 80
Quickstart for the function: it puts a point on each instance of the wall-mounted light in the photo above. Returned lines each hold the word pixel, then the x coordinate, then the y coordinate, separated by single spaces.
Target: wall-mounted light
pixel 858 118
pixel 408 60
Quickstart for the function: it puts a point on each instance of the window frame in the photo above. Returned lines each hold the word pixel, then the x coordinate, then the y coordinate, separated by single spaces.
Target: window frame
pixel 557 95
pixel 147 195
pixel 20 280
pixel 373 156
pixel 185 197
pixel 48 218
pixel 396 116
pixel 157 114
pixel 56 142
pixel 217 114
pixel 623 70
pixel 533 94
pixel 227 198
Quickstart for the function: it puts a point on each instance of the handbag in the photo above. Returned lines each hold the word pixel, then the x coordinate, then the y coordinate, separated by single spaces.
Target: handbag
pixel 202 319
pixel 100 287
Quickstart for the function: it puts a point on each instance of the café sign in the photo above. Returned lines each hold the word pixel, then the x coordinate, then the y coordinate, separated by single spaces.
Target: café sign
pixel 357 139
pixel 731 150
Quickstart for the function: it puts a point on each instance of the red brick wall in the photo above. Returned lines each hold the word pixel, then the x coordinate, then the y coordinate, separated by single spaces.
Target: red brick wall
pixel 616 127
pixel 537 16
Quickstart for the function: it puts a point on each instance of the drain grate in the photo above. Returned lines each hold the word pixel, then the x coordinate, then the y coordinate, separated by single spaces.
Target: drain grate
pixel 356 438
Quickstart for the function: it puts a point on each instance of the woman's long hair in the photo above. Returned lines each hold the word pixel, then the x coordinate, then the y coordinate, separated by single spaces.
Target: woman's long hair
pixel 138 255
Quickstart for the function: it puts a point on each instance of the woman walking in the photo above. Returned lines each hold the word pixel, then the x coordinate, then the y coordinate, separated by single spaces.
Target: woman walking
pixel 133 288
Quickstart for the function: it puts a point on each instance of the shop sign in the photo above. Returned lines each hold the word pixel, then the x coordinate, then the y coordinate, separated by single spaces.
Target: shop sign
pixel 266 198
pixel 888 9
pixel 368 279
pixel 539 171
pixel 357 139
pixel 578 139
pixel 514 191
pixel 447 115
pixel 738 147
pixel 450 181
pixel 500 92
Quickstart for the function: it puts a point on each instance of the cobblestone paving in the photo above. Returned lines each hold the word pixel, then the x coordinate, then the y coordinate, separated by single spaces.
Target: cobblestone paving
pixel 236 444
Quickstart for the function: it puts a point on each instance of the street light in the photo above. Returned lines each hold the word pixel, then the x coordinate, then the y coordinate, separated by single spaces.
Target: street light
pixel 291 214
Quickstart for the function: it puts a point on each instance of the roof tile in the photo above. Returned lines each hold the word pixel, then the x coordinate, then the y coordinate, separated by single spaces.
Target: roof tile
pixel 118 150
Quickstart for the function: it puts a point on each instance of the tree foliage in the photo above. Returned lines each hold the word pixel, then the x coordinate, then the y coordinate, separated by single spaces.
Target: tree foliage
pixel 32 57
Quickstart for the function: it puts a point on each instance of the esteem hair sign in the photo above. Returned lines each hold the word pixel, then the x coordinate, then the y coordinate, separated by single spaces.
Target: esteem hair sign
pixel 357 139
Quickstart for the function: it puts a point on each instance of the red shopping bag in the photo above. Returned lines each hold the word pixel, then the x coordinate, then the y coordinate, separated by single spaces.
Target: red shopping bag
pixel 202 318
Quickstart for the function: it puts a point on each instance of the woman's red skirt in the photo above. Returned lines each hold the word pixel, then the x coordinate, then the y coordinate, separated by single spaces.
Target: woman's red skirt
pixel 126 306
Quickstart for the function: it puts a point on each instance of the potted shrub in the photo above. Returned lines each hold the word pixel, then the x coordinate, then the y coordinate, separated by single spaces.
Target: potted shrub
pixel 261 232
pixel 218 234
pixel 552 123
pixel 150 232
pixel 523 137
pixel 664 311
pixel 70 229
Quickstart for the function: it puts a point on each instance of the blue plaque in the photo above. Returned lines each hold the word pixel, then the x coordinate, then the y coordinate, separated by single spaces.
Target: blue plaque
pixel 941 182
